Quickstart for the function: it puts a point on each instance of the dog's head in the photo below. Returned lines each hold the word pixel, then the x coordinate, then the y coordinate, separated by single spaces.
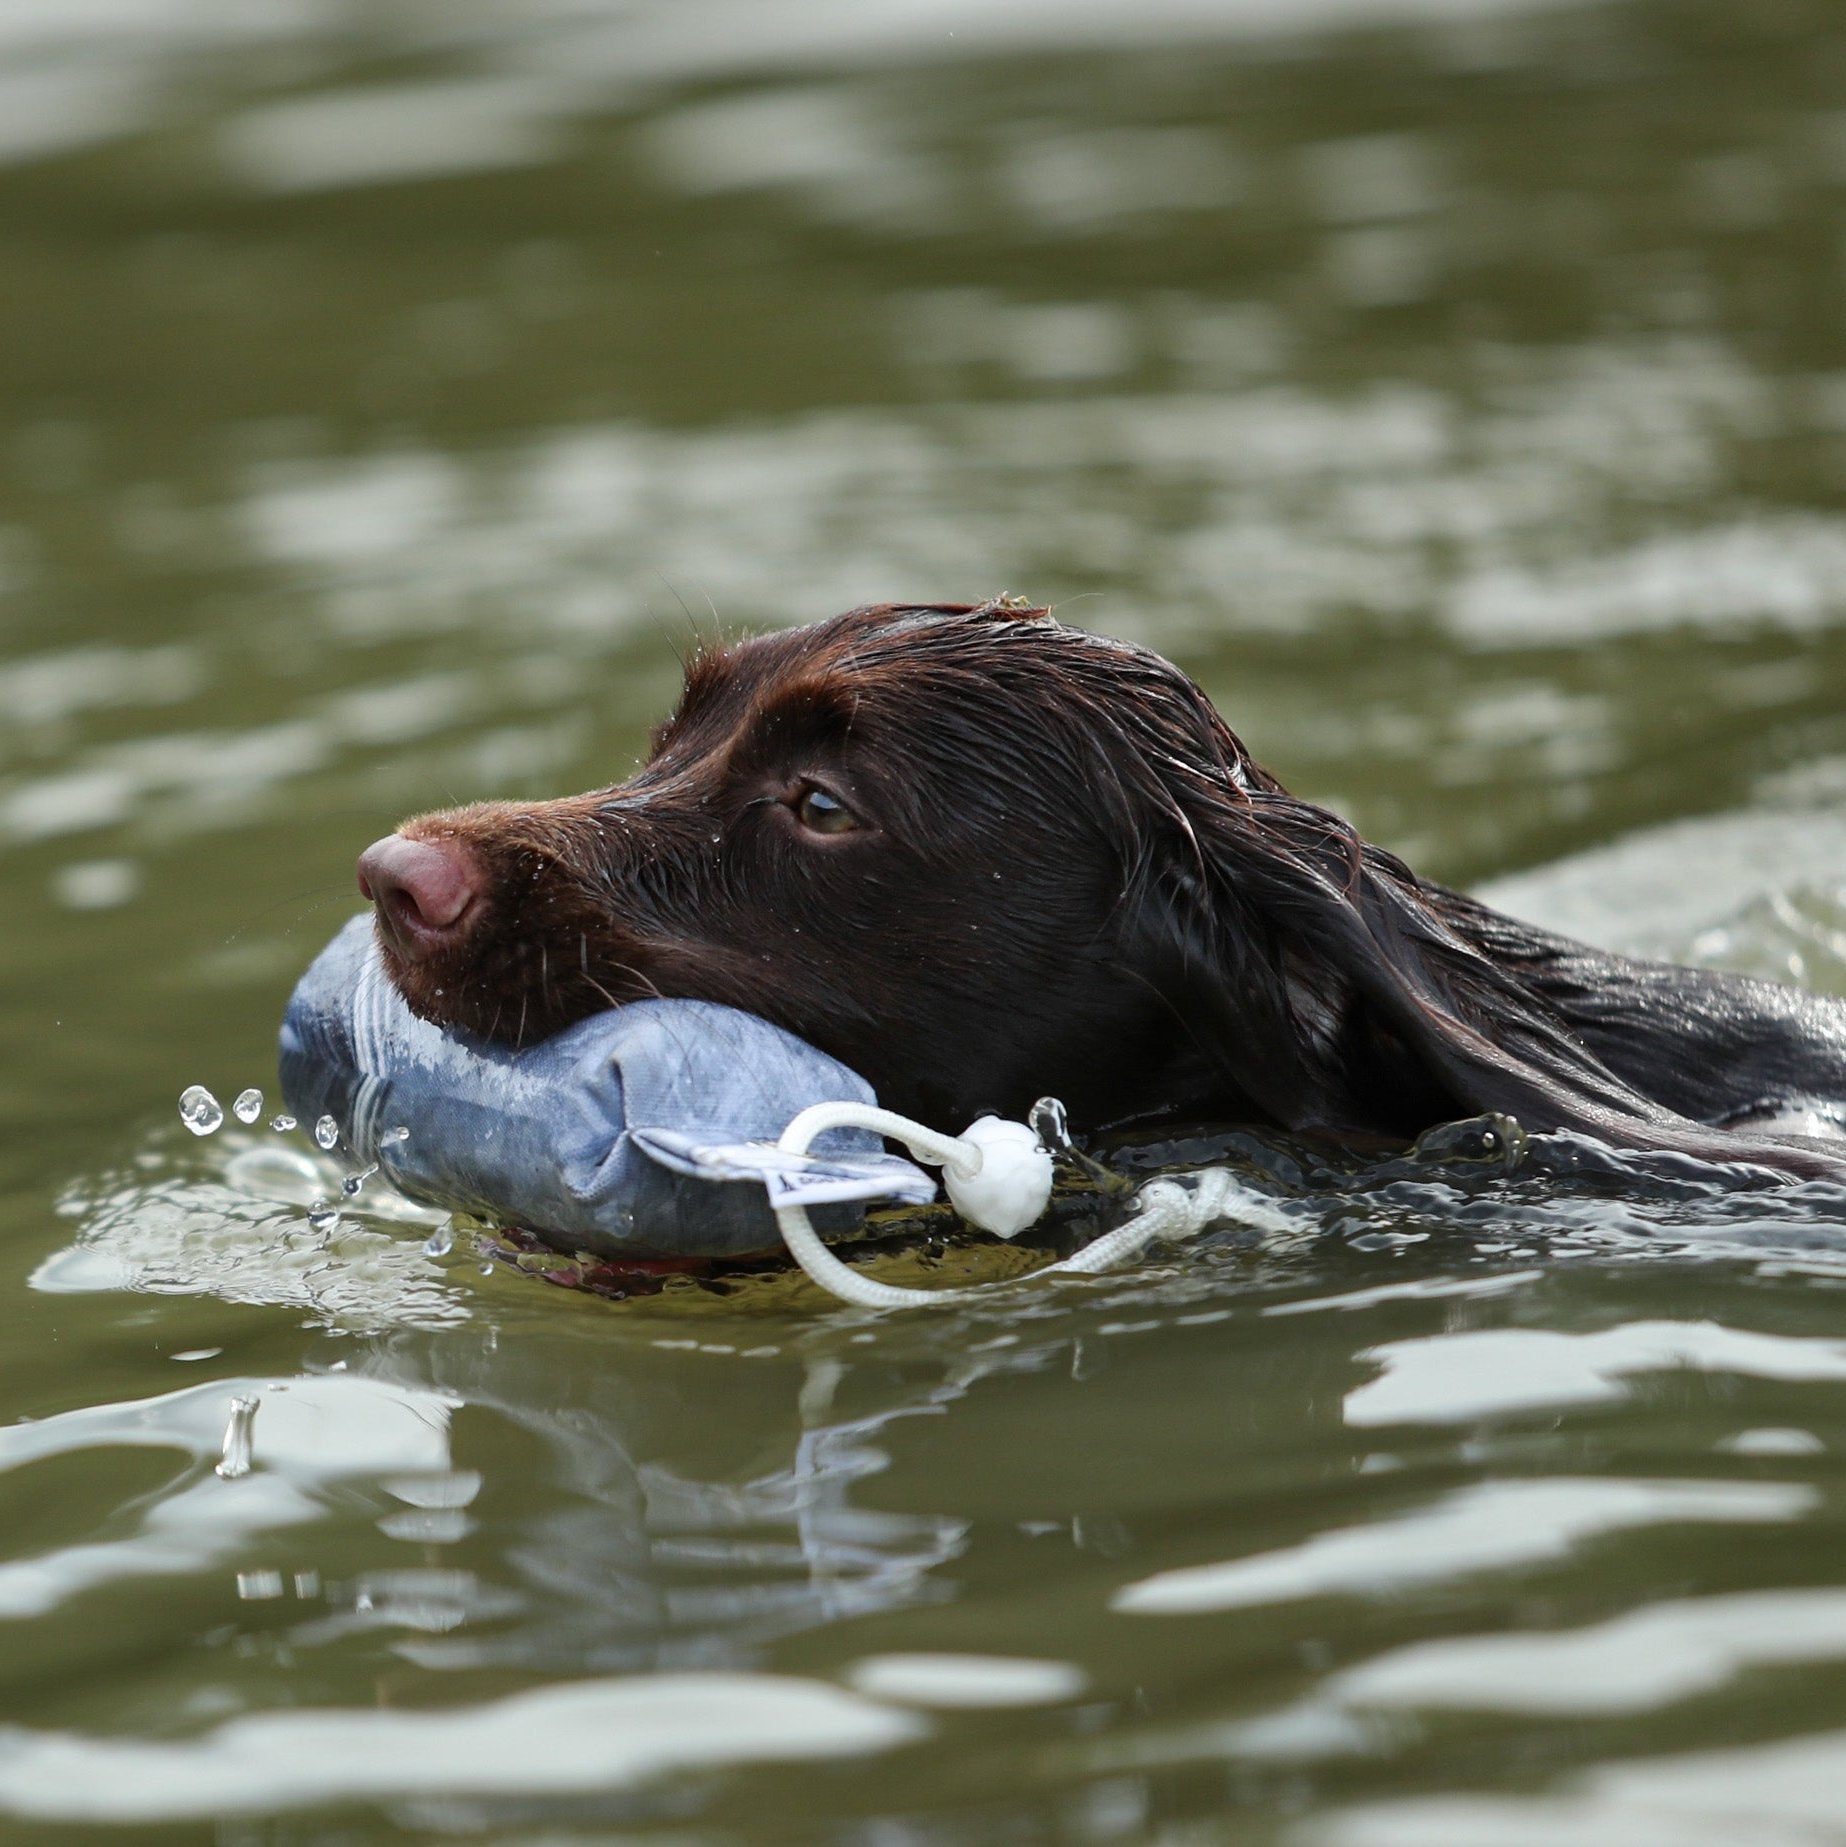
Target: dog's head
pixel 921 837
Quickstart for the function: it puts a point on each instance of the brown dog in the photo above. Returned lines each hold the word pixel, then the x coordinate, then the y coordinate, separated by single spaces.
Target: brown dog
pixel 981 856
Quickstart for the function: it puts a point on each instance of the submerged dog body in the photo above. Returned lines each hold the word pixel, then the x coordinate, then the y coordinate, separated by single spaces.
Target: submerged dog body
pixel 981 856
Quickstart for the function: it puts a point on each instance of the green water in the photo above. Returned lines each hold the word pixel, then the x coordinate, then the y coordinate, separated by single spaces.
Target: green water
pixel 389 395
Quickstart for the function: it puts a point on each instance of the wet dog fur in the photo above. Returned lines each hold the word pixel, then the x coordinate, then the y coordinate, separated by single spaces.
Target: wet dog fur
pixel 982 856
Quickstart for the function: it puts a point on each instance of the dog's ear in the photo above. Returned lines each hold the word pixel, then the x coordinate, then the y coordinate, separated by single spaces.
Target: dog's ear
pixel 1340 992
pixel 1319 978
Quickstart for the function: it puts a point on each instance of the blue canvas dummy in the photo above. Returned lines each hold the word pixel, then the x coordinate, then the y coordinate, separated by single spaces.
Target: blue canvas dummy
pixel 640 1132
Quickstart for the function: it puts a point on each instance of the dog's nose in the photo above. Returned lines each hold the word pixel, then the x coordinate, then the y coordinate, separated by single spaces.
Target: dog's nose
pixel 423 890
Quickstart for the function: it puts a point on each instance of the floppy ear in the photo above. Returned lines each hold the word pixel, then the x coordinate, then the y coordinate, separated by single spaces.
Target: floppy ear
pixel 1326 983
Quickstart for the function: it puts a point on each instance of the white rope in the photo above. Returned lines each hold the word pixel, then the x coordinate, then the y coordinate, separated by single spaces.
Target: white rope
pixel 948 1152
pixel 1165 1210
pixel 1168 1210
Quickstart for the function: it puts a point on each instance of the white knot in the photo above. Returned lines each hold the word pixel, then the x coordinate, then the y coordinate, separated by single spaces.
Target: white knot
pixel 1011 1187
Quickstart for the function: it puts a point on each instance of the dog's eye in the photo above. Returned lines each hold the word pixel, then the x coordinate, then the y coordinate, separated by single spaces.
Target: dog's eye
pixel 820 813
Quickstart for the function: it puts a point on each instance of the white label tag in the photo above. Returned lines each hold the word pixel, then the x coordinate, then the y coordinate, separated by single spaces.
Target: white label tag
pixel 791 1179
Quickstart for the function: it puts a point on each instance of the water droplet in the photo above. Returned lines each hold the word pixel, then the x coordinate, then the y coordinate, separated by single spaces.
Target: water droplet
pixel 440 1241
pixel 282 1124
pixel 199 1110
pixel 323 1215
pixel 237 1444
pixel 326 1131
pixel 392 1137
pixel 353 1182
pixel 249 1105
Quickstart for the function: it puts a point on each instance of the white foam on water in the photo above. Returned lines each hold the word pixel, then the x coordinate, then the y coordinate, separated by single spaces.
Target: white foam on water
pixel 246 1241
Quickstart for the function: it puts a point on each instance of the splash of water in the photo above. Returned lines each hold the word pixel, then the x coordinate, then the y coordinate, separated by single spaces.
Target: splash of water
pixel 199 1110
pixel 235 1462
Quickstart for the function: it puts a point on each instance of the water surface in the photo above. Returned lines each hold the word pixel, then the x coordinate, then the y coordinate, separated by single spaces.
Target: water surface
pixel 389 398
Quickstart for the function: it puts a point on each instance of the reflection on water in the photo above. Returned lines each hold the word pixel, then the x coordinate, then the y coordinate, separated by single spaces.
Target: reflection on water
pixel 1646 1659
pixel 619 1732
pixel 1776 1794
pixel 391 395
pixel 1465 1377
pixel 312 1431
pixel 1490 1527
pixel 607 1525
